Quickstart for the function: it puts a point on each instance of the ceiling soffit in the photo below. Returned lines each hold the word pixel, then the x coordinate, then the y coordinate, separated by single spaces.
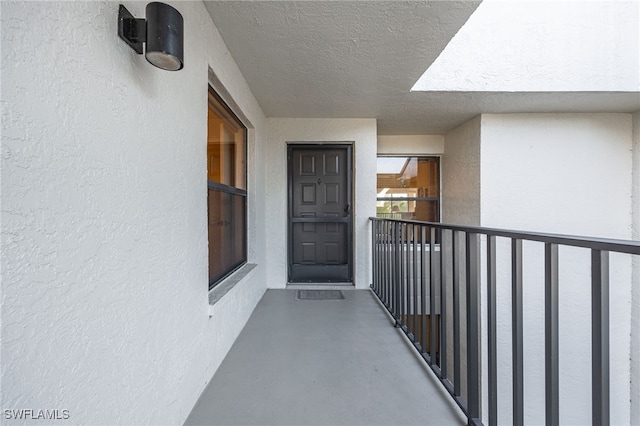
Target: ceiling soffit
pixel 360 59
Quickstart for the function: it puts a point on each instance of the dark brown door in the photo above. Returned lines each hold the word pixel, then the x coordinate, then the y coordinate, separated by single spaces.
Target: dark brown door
pixel 320 213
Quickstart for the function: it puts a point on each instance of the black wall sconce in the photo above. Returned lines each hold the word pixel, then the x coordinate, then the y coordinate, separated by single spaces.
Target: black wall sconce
pixel 162 31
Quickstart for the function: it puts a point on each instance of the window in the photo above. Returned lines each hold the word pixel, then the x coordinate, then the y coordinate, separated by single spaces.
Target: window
pixel 409 188
pixel 227 183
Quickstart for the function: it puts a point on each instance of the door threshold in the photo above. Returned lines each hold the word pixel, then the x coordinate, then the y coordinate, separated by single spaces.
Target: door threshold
pixel 319 286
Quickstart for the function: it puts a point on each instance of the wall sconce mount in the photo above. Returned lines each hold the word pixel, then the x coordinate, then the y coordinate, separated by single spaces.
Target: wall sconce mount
pixel 162 31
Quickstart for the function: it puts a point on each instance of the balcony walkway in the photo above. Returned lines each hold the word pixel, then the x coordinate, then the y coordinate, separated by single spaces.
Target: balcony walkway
pixel 323 362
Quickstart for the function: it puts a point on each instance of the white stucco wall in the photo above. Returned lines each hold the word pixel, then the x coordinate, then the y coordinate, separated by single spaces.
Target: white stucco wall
pixel 542 45
pixel 104 216
pixel 570 174
pixel 411 144
pixel 635 297
pixel 461 175
pixel 560 173
pixel 283 130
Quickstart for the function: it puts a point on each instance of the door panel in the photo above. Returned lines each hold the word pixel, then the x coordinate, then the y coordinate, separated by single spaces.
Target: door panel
pixel 320 213
pixel 326 239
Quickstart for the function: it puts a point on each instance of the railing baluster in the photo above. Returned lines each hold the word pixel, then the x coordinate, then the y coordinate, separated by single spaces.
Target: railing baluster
pixel 410 278
pixel 552 388
pixel 403 273
pixel 374 256
pixel 414 317
pixel 600 337
pixel 407 277
pixel 406 286
pixel 457 389
pixel 380 259
pixel 492 351
pixel 423 288
pixel 388 266
pixel 432 294
pixel 398 281
pixel 473 329
pixel 383 263
pixel 517 331
pixel 443 308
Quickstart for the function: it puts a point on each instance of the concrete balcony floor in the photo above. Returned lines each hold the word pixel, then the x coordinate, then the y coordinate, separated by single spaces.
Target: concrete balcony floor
pixel 323 362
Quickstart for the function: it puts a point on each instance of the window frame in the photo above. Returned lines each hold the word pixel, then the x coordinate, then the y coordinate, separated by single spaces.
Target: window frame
pixel 228 189
pixel 437 199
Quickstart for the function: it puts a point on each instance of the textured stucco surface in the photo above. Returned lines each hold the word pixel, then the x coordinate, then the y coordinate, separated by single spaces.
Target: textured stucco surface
pixel 410 144
pixel 461 175
pixel 560 173
pixel 362 132
pixel 635 297
pixel 359 59
pixel 571 174
pixel 348 59
pixel 104 232
pixel 542 46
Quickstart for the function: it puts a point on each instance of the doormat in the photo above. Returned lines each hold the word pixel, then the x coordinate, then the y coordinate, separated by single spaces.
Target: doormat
pixel 319 295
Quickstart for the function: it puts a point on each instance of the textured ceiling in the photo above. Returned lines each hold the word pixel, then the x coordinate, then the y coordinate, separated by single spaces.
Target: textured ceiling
pixel 359 59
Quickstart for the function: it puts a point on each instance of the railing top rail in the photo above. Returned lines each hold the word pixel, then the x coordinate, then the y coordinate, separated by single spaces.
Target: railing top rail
pixel 606 244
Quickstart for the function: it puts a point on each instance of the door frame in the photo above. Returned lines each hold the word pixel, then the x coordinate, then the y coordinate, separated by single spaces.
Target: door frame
pixel 348 147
